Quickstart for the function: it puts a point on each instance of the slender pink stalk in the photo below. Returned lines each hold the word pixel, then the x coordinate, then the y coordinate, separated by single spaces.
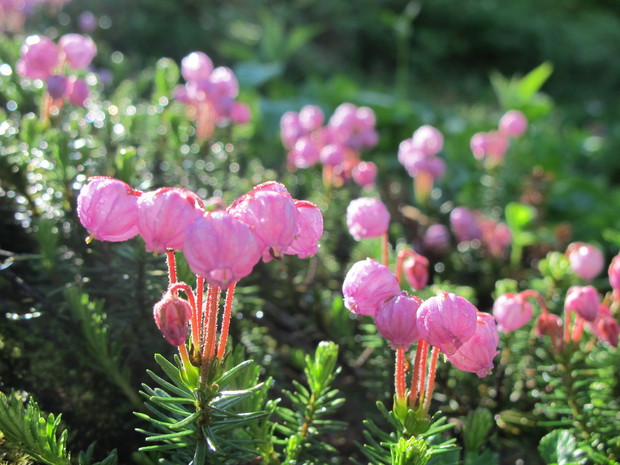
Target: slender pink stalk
pixel 399 373
pixel 415 378
pixel 399 264
pixel 430 380
pixel 385 243
pixel 184 355
pixel 197 315
pixel 221 348
pixel 422 370
pixel 172 266
pixel 213 301
pixel 578 328
pixel 175 288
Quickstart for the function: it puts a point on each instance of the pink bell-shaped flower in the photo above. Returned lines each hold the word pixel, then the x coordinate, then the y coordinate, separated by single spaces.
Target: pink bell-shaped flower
pixel 196 66
pixel 365 173
pixel 447 321
pixel 172 315
pixel 396 321
pixel 585 300
pixel 428 140
pixel 586 260
pixel 311 118
pixel 240 113
pixel 511 311
pixel 310 230
pixel 605 327
pixel 79 50
pixel 56 86
pixel 77 91
pixel 332 154
pixel 367 217
pixel 476 354
pixel 614 273
pixel 221 248
pixel 437 239
pixel 464 225
pixel 304 153
pixel 513 123
pixel 415 268
pixel 272 216
pixel 108 209
pixel 164 214
pixel 367 285
pixel 39 57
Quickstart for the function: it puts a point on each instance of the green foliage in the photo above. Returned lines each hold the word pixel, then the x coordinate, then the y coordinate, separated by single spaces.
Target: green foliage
pixel 561 447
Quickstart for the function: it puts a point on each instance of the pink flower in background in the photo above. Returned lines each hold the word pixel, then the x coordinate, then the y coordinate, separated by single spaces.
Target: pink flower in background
pixel 78 50
pixel 221 248
pixel 415 268
pixel 304 153
pixel 437 238
pixel 489 145
pixel 311 118
pixel 605 327
pixel 39 57
pixel 427 140
pixel 477 353
pixel 240 113
pixel 447 321
pixel 365 173
pixel 513 123
pixel 464 225
pixel 77 91
pixel 310 231
pixel 108 209
pixel 396 320
pixel 585 300
pixel 196 66
pixel 496 236
pixel 549 324
pixel 614 273
pixel 367 218
pixel 511 311
pixel 57 86
pixel 87 21
pixel 586 260
pixel 172 315
pixel 332 155
pixel 367 285
pixel 163 216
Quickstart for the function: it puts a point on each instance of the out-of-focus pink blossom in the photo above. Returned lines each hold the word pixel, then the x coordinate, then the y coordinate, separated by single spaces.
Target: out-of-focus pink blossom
pixel 304 153
pixel 428 140
pixel 396 321
pixel 221 248
pixel 365 173
pixel 310 230
pixel 447 321
pixel 240 113
pixel 39 57
pixel 491 145
pixel 477 353
pixel 367 217
pixel 585 300
pixel 415 268
pixel 511 311
pixel 56 86
pixel 172 315
pixel 464 225
pixel 496 236
pixel 605 327
pixel 586 260
pixel 196 66
pixel 513 123
pixel 77 91
pixel 437 239
pixel 163 216
pixel 87 22
pixel 79 50
pixel 549 324
pixel 332 155
pixel 108 209
pixel 367 285
pixel 311 118
pixel 614 273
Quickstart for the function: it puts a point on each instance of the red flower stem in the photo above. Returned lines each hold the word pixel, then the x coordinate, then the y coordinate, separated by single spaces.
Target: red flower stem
pixel 385 245
pixel 172 266
pixel 430 380
pixel 221 348
pixel 175 288
pixel 197 315
pixel 578 328
pixel 213 301
pixel 399 264
pixel 399 373
pixel 413 392
pixel 184 355
pixel 422 369
pixel 567 321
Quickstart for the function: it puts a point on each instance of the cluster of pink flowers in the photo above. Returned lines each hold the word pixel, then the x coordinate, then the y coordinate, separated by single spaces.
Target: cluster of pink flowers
pixel 222 246
pixel 468 225
pixel 210 94
pixel 491 146
pixel 42 59
pixel 13 13
pixel 337 145
pixel 449 322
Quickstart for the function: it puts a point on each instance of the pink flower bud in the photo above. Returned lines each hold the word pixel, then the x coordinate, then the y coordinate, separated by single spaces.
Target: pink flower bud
pixel 584 300
pixel 171 317
pixel 489 144
pixel 511 311
pixel 464 225
pixel 223 83
pixel 396 320
pixel 415 268
pixel 196 66
pixel 79 50
pixel 310 230
pixel 332 154
pixel 240 113
pixel 513 123
pixel 586 260
pixel 290 129
pixel 305 153
pixel 447 321
pixel 605 326
pixel 476 354
pixel 366 118
pixel 77 91
pixel 39 57
pixel 87 21
pixel 437 238
pixel 56 86
pixel 221 248
pixel 614 273
pixel 272 216
pixel 367 285
pixel 367 218
pixel 427 140
pixel 365 173
pixel 108 209
pixel 163 216
pixel 311 118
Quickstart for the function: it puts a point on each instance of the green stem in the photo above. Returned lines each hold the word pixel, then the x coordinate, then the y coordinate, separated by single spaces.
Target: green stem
pixel 579 418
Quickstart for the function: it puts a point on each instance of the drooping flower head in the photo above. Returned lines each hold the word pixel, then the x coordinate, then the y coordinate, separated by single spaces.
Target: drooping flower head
pixel 196 66
pixel 428 140
pixel 511 311
pixel 310 231
pixel 365 173
pixel 396 320
pixel 164 214
pixel 415 268
pixel 172 315
pixel 605 326
pixel 614 273
pixel 367 285
pixel 585 300
pixel 221 248
pixel 108 209
pixel 78 50
pixel 77 91
pixel 477 353
pixel 513 123
pixel 447 321
pixel 39 57
pixel 464 225
pixel 367 217
pixel 586 260
pixel 437 239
